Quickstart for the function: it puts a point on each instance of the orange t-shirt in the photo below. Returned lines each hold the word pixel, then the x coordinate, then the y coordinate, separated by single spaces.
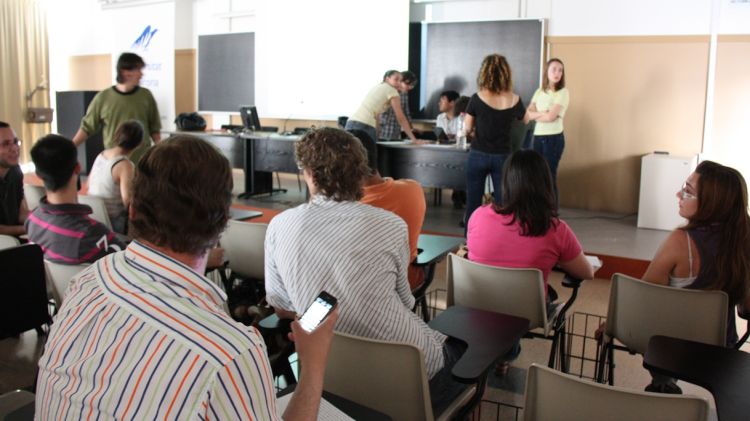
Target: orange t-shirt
pixel 405 198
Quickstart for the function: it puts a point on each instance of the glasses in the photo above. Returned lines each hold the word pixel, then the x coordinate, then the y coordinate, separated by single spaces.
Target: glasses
pixel 7 144
pixel 684 195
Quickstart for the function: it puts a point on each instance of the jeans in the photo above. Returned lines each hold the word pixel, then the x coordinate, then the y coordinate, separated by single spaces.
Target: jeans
pixel 443 388
pixel 551 148
pixel 356 125
pixel 478 166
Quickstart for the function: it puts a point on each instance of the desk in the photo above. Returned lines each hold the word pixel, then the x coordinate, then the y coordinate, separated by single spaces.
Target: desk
pixel 725 372
pixel 352 409
pixel 432 248
pixel 488 335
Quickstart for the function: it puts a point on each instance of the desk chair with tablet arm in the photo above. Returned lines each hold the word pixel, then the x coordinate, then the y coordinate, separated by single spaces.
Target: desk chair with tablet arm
pixel 8 241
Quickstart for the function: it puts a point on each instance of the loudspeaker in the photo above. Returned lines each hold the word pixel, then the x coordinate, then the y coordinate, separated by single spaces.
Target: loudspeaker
pixel 71 107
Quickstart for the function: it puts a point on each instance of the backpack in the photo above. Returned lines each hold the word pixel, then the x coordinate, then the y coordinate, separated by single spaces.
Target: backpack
pixel 190 122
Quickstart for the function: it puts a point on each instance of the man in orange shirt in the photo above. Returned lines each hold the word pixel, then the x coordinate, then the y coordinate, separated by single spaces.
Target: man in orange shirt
pixel 403 197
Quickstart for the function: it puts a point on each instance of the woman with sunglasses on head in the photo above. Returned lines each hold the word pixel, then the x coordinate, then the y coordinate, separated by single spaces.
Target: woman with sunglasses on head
pixel 712 251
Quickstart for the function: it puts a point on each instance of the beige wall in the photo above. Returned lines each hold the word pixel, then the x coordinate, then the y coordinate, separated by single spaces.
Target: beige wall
pixel 184 81
pixel 90 73
pixel 628 96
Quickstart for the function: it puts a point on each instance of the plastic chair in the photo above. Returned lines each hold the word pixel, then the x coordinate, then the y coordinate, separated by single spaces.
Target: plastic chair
pixel 385 376
pixel 8 241
pixel 17 405
pixel 33 194
pixel 243 247
pixel 516 292
pixel 639 310
pixel 59 276
pixel 97 205
pixel 551 395
pixel 23 294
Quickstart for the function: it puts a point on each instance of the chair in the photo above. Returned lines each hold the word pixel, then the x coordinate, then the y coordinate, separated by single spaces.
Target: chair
pixel 59 276
pixel 385 376
pixel 639 310
pixel 8 241
pixel 516 292
pixel 97 206
pixel 551 395
pixel 23 294
pixel 17 405
pixel 243 248
pixel 33 194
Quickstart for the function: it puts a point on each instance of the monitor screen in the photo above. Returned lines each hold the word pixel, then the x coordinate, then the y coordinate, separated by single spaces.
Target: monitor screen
pixel 250 118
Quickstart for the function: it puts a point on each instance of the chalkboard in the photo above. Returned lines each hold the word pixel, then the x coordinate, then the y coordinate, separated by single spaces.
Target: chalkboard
pixel 226 71
pixel 452 52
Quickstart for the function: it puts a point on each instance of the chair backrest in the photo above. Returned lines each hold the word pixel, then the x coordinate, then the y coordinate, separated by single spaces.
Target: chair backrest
pixel 639 310
pixel 552 395
pixel 23 294
pixel 385 376
pixel 517 292
pixel 243 247
pixel 33 194
pixel 60 276
pixel 8 241
pixel 98 207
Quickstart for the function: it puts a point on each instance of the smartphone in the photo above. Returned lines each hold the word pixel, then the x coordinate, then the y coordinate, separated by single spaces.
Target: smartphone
pixel 317 312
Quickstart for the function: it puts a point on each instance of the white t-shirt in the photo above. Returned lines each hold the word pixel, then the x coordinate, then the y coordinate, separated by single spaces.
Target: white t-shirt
pixel 450 126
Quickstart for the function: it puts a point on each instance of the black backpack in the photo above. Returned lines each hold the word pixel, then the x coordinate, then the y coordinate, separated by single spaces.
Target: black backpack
pixel 190 122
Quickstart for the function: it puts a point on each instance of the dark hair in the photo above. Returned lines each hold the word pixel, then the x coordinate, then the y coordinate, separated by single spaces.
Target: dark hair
pixel 55 158
pixel 128 61
pixel 4 125
pixel 528 194
pixel 408 77
pixel 176 203
pixel 545 78
pixel 370 147
pixel 722 203
pixel 129 135
pixel 450 95
pixel 495 74
pixel 461 104
pixel 336 160
pixel 389 73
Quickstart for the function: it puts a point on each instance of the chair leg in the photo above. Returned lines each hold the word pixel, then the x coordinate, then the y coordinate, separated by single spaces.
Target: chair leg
pixel 602 362
pixel 611 365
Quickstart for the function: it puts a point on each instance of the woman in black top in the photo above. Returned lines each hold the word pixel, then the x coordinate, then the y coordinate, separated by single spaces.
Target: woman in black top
pixel 489 115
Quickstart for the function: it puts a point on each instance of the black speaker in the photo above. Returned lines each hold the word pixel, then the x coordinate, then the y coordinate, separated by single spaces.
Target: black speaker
pixel 71 107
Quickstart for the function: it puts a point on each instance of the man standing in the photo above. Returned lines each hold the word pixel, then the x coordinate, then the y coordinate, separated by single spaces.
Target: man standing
pixel 142 333
pixel 13 209
pixel 126 100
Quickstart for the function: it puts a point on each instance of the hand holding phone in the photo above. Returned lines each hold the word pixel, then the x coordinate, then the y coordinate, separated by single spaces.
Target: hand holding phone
pixel 318 311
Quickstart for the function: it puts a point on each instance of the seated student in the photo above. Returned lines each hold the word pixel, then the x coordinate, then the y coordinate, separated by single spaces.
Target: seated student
pixel 403 197
pixel 355 252
pixel 712 251
pixel 525 231
pixel 448 119
pixel 142 333
pixel 390 128
pixel 60 225
pixel 112 173
pixel 13 209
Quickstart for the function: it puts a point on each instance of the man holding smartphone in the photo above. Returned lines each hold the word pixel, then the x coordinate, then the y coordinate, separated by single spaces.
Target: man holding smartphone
pixel 142 333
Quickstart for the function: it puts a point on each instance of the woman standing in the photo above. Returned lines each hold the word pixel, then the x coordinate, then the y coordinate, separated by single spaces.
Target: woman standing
pixel 385 94
pixel 489 116
pixel 547 108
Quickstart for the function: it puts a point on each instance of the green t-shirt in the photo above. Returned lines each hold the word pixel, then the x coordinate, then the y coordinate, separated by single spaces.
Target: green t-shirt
pixel 110 108
pixel 544 100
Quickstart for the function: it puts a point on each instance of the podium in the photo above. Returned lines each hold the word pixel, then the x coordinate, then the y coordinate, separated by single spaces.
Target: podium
pixel 71 107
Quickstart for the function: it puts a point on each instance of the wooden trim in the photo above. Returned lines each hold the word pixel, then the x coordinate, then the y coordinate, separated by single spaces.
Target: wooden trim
pixel 185 52
pixel 733 38
pixel 637 39
pixel 615 264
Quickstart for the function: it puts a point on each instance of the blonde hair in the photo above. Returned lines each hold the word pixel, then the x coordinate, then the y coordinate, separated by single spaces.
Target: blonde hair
pixel 495 75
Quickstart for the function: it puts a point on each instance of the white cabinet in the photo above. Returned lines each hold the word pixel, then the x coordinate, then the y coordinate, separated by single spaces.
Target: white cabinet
pixel 661 177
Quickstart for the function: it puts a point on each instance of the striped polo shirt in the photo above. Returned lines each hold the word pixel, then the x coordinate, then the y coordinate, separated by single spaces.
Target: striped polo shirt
pixel 142 336
pixel 360 255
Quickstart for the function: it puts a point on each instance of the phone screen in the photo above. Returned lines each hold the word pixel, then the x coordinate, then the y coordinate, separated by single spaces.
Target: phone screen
pixel 317 311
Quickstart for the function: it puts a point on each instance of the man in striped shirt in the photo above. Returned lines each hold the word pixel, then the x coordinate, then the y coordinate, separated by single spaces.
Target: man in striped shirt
pixel 60 225
pixel 142 334
pixel 356 252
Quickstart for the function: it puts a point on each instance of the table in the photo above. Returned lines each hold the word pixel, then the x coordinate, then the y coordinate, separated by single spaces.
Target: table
pixel 488 335
pixel 352 409
pixel 432 249
pixel 725 372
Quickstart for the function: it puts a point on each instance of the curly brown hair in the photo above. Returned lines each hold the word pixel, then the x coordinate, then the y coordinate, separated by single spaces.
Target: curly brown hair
pixel 182 190
pixel 337 162
pixel 494 75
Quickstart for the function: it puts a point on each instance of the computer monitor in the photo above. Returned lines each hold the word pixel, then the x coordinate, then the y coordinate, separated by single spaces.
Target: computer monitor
pixel 250 118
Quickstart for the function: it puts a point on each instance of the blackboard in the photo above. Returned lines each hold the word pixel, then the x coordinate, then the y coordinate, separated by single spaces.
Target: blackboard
pixel 451 54
pixel 226 71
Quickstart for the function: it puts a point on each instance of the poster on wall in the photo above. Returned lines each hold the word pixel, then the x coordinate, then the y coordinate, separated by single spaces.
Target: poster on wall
pixel 149 32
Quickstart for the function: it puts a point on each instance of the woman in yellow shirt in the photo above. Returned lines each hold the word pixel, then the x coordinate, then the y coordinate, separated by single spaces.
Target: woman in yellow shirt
pixel 547 108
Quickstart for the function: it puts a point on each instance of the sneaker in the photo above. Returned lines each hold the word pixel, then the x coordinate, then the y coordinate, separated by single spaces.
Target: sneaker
pixel 670 388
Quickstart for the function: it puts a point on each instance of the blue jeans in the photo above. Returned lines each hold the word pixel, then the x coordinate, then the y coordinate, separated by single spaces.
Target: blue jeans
pixel 356 125
pixel 478 166
pixel 551 148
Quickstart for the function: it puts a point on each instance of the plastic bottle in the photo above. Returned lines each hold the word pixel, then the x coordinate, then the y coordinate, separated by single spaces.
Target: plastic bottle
pixel 461 134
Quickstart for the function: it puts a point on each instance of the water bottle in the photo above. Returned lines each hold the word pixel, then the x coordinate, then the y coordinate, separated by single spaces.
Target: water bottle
pixel 461 135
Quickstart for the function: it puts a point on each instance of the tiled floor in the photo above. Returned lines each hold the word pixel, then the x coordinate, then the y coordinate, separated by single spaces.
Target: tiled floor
pixel 598 232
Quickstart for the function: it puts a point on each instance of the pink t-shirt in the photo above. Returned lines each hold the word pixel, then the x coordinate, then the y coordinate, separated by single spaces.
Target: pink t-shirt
pixel 492 242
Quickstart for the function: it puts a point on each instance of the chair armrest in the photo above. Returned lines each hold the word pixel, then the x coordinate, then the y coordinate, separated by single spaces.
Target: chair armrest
pixel 273 322
pixel 743 312
pixel 571 282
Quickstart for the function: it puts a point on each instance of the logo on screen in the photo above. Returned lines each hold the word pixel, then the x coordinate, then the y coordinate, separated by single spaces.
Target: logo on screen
pixel 143 40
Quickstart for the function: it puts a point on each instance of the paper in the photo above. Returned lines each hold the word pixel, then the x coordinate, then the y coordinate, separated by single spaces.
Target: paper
pixel 327 411
pixel 595 262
